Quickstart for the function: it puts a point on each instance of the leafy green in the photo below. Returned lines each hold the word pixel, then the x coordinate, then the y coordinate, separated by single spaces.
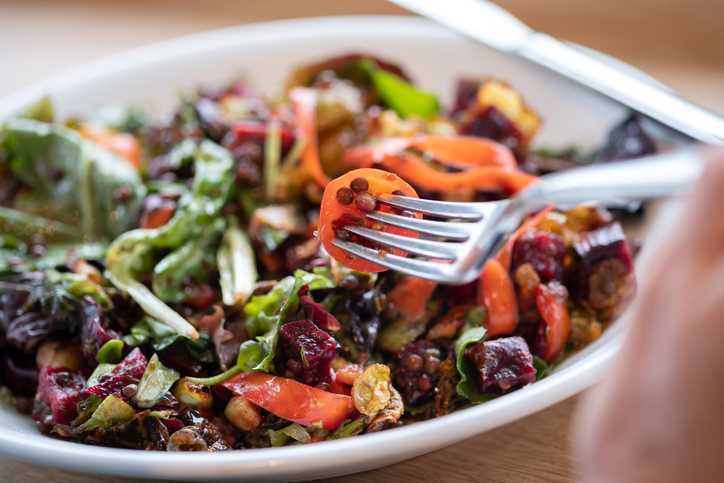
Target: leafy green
pixel 542 368
pixel 236 264
pixel 400 95
pixel 160 336
pixel 188 262
pixel 348 428
pixel 25 226
pixel 155 383
pixel 133 254
pixel 467 387
pixel 294 431
pixel 128 119
pixel 101 370
pixel 111 352
pixel 113 410
pixel 72 176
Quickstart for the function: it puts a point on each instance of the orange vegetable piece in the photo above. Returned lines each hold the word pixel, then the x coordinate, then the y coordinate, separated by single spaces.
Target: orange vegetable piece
pixel 497 294
pixel 304 105
pixel 410 297
pixel 334 215
pixel 123 144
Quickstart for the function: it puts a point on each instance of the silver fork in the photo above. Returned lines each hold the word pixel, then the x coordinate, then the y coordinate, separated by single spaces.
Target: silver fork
pixel 453 247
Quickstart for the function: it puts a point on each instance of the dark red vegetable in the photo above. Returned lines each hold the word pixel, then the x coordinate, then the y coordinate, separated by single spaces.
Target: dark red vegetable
pixel 604 275
pixel 628 140
pixel 59 390
pixel 316 312
pixel 308 350
pixel 503 364
pixel 128 371
pixel 542 249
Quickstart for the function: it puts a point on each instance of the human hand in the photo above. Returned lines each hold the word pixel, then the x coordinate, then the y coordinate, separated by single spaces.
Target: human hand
pixel 659 414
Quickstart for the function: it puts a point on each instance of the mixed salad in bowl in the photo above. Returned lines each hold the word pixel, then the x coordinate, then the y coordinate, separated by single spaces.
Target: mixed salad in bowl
pixel 172 285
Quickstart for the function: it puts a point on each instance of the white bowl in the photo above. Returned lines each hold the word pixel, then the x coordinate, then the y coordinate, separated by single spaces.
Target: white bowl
pixel 264 53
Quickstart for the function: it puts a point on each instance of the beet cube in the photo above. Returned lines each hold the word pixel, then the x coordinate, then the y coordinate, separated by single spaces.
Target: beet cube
pixel 503 364
pixel 308 350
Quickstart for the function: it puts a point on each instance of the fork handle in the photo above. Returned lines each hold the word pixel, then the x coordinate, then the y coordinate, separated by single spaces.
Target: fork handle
pixel 648 177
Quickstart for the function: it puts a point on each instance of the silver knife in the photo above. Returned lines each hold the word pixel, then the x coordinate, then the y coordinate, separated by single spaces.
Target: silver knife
pixel 497 28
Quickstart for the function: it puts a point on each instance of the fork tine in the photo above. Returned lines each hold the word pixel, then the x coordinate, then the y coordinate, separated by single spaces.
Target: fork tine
pixel 418 246
pixel 443 209
pixel 436 271
pixel 446 229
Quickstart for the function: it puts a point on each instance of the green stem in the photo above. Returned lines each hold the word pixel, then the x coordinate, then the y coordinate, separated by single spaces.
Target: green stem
pixel 217 379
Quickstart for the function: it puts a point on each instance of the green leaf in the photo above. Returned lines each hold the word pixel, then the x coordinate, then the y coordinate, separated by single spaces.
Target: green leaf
pixel 91 177
pixel 128 119
pixel 348 428
pixel 111 352
pixel 188 262
pixel 161 337
pixel 400 95
pixel 237 267
pixel 467 387
pixel 134 253
pixel 272 157
pixel 542 368
pixel 26 226
pixel 100 371
pixel 113 410
pixel 294 431
pixel 155 383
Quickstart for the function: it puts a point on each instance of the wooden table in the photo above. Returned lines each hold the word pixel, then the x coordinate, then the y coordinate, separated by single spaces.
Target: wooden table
pixel 40 38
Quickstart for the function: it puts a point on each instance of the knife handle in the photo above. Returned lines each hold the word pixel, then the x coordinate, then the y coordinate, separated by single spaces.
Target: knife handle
pixel 659 104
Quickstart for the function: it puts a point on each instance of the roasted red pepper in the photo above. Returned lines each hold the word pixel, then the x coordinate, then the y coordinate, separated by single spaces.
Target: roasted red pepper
pixel 292 400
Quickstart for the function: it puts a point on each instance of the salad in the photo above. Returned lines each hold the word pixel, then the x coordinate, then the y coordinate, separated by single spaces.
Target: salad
pixel 172 284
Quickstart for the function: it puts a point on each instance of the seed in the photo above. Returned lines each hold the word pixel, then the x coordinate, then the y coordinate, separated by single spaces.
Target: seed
pixel 129 391
pixel 412 362
pixel 345 196
pixel 365 202
pixel 432 364
pixel 343 234
pixel 350 282
pixel 424 384
pixel 359 185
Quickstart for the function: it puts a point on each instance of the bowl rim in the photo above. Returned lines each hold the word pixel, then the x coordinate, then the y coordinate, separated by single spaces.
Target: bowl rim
pixel 573 376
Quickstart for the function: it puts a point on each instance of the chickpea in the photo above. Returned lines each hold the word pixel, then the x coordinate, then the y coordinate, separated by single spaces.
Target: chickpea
pixel 194 395
pixel 242 414
pixel 58 353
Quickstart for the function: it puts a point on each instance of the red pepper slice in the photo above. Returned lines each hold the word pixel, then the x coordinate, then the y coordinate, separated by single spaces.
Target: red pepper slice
pixel 491 166
pixel 497 294
pixel 304 105
pixel 550 301
pixel 292 400
pixel 410 297
pixel 334 214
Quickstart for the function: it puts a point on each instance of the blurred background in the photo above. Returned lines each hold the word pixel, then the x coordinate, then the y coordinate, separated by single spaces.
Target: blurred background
pixel 677 41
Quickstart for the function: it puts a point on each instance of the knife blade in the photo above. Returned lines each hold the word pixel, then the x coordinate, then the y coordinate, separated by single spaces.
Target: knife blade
pixel 499 29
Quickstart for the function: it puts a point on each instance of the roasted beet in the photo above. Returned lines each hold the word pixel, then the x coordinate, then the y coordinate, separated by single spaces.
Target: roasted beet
pixel 128 371
pixel 503 364
pixel 604 278
pixel 492 124
pixel 316 312
pixel 543 250
pixel 465 93
pixel 628 140
pixel 94 332
pixel 59 390
pixel 308 351
pixel 418 370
